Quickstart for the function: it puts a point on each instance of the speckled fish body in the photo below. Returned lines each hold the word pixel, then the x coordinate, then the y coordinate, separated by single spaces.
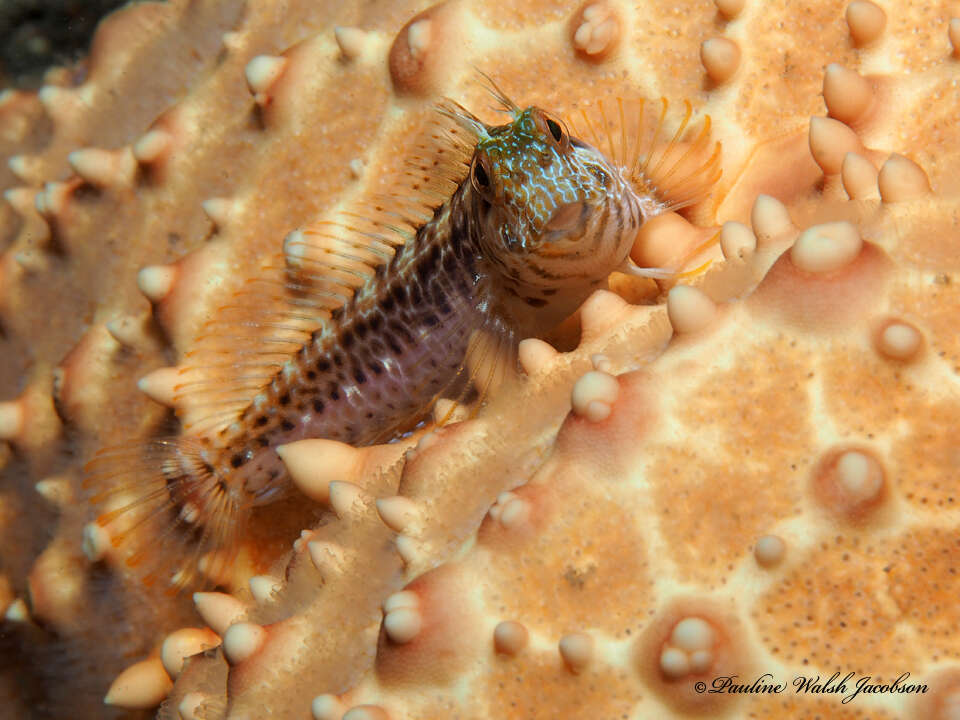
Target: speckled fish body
pixel 377 364
pixel 512 252
pixel 538 224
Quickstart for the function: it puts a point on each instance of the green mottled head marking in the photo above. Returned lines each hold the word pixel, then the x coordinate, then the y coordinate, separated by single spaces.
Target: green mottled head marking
pixel 542 184
pixel 552 211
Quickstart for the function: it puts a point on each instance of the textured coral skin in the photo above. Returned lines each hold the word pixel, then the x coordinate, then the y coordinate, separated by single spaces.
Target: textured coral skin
pixel 805 390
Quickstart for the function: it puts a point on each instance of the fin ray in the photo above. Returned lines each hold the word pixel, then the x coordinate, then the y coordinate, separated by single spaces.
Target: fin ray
pixel 165 509
pixel 678 167
pixel 323 265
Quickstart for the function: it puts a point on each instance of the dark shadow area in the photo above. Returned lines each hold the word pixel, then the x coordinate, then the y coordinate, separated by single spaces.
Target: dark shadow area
pixel 37 34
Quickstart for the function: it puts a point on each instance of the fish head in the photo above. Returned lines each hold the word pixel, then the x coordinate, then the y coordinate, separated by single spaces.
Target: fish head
pixel 551 209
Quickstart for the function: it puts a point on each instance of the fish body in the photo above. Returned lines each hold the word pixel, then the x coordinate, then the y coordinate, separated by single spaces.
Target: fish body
pixel 537 224
pixel 512 255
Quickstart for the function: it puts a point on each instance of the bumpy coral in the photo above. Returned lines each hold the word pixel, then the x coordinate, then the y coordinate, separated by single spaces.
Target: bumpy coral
pixel 748 471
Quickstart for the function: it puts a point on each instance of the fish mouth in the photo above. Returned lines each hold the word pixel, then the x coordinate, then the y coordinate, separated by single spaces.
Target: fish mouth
pixel 566 217
pixel 567 221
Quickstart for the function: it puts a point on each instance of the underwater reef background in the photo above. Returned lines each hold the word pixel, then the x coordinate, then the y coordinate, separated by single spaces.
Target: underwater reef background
pixel 750 469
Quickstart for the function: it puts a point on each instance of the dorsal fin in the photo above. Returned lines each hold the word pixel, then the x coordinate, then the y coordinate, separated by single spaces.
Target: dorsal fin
pixel 666 157
pixel 323 264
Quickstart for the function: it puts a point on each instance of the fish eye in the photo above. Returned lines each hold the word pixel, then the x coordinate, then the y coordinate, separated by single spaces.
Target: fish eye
pixel 554 127
pixel 481 179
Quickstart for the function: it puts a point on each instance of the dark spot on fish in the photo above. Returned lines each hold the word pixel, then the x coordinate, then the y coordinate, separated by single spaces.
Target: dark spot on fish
pixel 431 320
pixel 392 344
pixel 311 375
pixel 336 313
pixel 535 302
pixel 399 294
pixel 333 391
pixel 359 376
pixel 237 460
pixel 287 425
pixel 376 367
pixel 323 365
pixel 360 329
pixel 284 399
pixel 549 291
pixel 260 421
pixel 437 293
pixel 317 405
pixel 262 441
pixel 376 322
pixel 369 415
pixel 346 340
pixel 416 294
pixel 401 330
pixel 428 265
pixel 338 359
pixel 208 468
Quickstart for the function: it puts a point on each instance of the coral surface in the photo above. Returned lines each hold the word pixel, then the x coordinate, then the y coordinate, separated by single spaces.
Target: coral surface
pixel 749 471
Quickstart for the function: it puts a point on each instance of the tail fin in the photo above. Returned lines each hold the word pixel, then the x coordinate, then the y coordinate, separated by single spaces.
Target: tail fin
pixel 168 513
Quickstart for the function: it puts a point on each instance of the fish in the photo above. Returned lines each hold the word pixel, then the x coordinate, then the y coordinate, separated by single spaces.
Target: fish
pixel 497 233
